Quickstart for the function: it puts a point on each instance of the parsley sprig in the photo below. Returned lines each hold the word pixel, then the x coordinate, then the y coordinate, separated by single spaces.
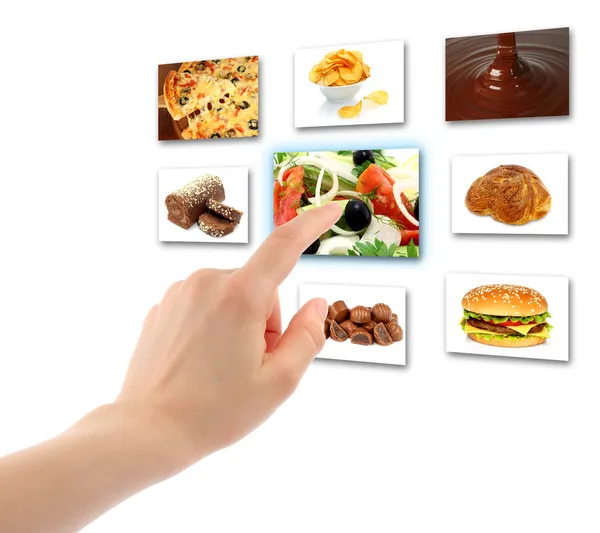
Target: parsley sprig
pixel 378 248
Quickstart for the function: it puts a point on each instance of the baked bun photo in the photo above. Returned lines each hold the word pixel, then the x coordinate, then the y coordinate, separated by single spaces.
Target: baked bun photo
pixel 510 316
pixel 510 194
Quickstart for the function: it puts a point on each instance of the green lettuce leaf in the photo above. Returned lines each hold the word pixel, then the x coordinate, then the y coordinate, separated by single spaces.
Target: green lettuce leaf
pixel 500 336
pixel 538 319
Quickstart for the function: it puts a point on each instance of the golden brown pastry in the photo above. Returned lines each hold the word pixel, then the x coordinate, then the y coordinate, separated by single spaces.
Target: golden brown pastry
pixel 509 193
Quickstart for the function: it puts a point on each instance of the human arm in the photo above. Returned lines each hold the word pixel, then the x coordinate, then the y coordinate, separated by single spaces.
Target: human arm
pixel 211 365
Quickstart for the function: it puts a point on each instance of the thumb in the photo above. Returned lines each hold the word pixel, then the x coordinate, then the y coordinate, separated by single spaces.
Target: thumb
pixel 298 346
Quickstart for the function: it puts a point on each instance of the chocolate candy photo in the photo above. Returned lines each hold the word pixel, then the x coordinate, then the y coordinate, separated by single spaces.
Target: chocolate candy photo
pixel 508 75
pixel 203 205
pixel 364 324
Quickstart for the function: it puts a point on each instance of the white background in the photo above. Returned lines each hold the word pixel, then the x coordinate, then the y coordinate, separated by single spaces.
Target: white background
pixel 368 296
pixel 386 60
pixel 448 443
pixel 235 183
pixel 552 169
pixel 554 288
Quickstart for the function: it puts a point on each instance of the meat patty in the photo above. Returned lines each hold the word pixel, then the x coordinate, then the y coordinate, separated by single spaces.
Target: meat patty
pixel 482 324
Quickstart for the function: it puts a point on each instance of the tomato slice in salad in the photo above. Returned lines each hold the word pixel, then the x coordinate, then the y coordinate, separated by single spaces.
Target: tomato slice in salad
pixel 507 323
pixel 407 235
pixel 286 196
pixel 378 185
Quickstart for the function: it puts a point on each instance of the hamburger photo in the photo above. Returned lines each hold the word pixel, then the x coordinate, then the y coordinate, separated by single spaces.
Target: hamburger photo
pixel 510 316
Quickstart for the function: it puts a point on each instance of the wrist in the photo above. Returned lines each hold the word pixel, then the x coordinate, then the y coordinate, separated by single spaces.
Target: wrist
pixel 149 434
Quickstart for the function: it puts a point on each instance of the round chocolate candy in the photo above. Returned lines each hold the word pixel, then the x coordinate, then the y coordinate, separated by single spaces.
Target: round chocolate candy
pixel 360 315
pixel 381 313
pixel 362 337
pixel 339 311
pixel 348 326
pixel 337 333
pixel 381 335
pixel 395 331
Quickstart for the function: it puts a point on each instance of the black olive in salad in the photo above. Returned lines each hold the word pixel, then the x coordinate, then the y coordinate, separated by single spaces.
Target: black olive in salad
pixel 234 80
pixel 230 133
pixel 357 214
pixel 188 71
pixel 253 124
pixel 313 248
pixel 183 100
pixel 241 68
pixel 244 105
pixel 215 136
pixel 360 156
pixel 417 209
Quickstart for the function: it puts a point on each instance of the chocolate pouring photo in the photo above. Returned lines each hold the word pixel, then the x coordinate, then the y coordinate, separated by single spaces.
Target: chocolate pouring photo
pixel 519 194
pixel 209 99
pixel 508 75
pixel 507 315
pixel 377 189
pixel 203 205
pixel 349 84
pixel 365 324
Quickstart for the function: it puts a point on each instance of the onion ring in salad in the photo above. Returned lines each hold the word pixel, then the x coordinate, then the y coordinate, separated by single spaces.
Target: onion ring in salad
pixel 399 186
pixel 305 159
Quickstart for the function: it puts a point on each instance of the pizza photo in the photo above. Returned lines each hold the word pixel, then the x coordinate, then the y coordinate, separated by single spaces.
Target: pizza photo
pixel 209 99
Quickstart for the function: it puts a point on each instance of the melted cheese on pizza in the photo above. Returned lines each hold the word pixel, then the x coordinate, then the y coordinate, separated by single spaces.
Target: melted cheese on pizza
pixel 220 97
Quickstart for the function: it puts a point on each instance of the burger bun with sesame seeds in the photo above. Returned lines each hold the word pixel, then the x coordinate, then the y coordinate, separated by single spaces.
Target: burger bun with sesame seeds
pixel 505 300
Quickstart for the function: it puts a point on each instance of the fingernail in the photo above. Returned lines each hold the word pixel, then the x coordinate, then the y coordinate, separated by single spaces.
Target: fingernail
pixel 322 307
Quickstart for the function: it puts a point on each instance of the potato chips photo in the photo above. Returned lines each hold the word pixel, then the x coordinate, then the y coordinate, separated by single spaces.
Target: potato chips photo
pixel 344 67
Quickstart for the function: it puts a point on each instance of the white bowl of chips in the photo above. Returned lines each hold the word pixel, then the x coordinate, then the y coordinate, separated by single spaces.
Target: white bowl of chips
pixel 340 93
pixel 340 74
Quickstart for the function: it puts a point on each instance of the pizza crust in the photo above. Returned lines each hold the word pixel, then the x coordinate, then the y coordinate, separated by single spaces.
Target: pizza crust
pixel 170 94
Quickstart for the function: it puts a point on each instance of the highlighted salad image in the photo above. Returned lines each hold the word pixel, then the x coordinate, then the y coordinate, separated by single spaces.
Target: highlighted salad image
pixel 377 189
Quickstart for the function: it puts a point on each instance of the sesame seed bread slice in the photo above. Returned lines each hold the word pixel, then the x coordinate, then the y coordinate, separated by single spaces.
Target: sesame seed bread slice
pixel 225 211
pixel 214 225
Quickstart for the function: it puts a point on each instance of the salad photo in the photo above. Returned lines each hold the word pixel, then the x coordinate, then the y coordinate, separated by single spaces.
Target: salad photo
pixel 377 189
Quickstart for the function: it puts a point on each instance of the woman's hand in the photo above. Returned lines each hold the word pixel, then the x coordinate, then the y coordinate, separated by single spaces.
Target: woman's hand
pixel 211 365
pixel 212 362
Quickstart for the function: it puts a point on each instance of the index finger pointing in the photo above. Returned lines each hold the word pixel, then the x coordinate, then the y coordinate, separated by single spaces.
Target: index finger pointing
pixel 277 256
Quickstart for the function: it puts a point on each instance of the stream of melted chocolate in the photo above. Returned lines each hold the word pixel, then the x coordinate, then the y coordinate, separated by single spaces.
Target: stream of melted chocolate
pixel 508 75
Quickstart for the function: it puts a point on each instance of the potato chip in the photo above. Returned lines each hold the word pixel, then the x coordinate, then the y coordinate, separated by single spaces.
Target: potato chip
pixel 315 75
pixel 331 77
pixel 379 97
pixel 340 68
pixel 350 111
pixel 358 55
pixel 352 75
